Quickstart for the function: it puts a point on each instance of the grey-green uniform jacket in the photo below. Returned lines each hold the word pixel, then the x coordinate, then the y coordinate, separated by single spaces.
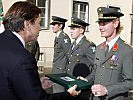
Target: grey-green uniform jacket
pixel 61 46
pixel 82 53
pixel 115 71
pixel 34 49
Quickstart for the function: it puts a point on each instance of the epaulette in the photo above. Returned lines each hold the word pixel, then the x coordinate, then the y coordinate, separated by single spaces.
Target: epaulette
pixel 64 33
pixel 128 44
pixel 89 40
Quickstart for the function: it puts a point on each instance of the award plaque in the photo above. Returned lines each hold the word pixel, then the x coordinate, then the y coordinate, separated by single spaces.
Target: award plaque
pixel 68 81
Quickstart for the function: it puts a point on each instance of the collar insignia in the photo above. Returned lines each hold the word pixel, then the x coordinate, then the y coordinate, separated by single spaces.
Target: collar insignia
pixel 115 47
pixel 66 40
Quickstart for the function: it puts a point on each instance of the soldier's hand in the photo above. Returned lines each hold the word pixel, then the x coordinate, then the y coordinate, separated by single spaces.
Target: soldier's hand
pixel 73 91
pixel 99 90
pixel 82 78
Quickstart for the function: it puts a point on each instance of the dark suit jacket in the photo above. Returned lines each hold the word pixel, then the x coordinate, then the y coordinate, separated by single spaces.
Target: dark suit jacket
pixel 115 71
pixel 19 78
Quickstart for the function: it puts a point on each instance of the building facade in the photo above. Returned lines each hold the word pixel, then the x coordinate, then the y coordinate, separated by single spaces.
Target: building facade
pixel 84 9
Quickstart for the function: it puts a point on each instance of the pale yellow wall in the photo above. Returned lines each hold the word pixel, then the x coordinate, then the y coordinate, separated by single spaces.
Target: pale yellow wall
pixel 57 8
pixel 63 8
pixel 8 3
pixel 125 8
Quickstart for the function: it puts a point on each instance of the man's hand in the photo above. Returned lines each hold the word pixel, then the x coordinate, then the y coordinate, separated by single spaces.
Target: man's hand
pixel 46 83
pixel 82 78
pixel 73 91
pixel 99 90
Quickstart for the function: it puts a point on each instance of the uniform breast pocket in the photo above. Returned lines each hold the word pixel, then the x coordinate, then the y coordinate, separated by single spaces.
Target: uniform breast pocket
pixel 57 49
pixel 113 73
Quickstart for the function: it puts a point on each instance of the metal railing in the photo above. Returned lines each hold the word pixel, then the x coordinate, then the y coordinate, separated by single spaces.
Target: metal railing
pixel 46 56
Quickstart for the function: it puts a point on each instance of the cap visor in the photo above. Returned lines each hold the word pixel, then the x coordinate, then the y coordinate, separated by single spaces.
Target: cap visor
pixel 74 26
pixel 104 20
pixel 53 23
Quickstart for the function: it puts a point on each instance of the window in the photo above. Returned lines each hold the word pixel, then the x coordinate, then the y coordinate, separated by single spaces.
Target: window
pixel 1 11
pixel 44 5
pixel 81 10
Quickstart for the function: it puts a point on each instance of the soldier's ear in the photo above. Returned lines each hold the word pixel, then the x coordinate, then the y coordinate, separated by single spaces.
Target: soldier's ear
pixel 81 30
pixel 116 22
pixel 61 25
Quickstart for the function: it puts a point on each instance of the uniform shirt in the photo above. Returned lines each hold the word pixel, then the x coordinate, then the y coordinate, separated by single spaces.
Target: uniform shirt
pixel 78 40
pixel 20 38
pixel 112 42
pixel 58 33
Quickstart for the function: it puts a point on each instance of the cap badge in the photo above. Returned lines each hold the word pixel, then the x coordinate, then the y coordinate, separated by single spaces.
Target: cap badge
pixel 99 9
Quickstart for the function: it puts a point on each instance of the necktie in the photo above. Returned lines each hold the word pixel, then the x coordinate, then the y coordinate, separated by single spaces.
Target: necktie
pixel 55 41
pixel 74 44
pixel 106 49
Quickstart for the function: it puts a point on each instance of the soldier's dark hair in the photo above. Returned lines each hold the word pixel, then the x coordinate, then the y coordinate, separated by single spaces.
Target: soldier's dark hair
pixel 63 25
pixel 18 13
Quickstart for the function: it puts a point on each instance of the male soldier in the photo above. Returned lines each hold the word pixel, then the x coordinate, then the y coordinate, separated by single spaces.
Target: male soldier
pixel 81 54
pixel 34 49
pixel 113 60
pixel 61 45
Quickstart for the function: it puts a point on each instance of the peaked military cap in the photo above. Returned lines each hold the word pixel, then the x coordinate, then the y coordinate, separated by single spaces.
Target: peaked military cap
pixel 57 20
pixel 76 22
pixel 108 13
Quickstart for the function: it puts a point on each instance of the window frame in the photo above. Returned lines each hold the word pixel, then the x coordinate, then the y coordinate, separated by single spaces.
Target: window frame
pixel 86 16
pixel 46 16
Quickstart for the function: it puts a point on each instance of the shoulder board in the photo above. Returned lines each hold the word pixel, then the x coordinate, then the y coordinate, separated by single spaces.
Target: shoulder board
pixel 128 44
pixel 63 33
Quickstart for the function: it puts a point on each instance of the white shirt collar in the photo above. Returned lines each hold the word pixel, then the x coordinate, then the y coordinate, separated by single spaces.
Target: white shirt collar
pixel 58 33
pixel 20 38
pixel 78 40
pixel 112 42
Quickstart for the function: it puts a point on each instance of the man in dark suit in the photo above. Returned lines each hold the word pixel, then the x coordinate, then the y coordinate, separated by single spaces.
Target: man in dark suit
pixel 113 76
pixel 61 45
pixel 19 78
pixel 81 54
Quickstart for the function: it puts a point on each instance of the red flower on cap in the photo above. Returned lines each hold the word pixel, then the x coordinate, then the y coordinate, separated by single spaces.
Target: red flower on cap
pixel 115 47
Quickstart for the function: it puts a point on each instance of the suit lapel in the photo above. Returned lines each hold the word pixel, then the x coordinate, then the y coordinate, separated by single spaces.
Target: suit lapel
pixel 58 38
pixel 75 48
pixel 78 45
pixel 101 55
pixel 15 38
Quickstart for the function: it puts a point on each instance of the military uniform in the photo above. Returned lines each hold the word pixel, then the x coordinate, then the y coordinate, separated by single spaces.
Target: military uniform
pixel 61 46
pixel 82 54
pixel 115 69
pixel 34 49
pixel 81 57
